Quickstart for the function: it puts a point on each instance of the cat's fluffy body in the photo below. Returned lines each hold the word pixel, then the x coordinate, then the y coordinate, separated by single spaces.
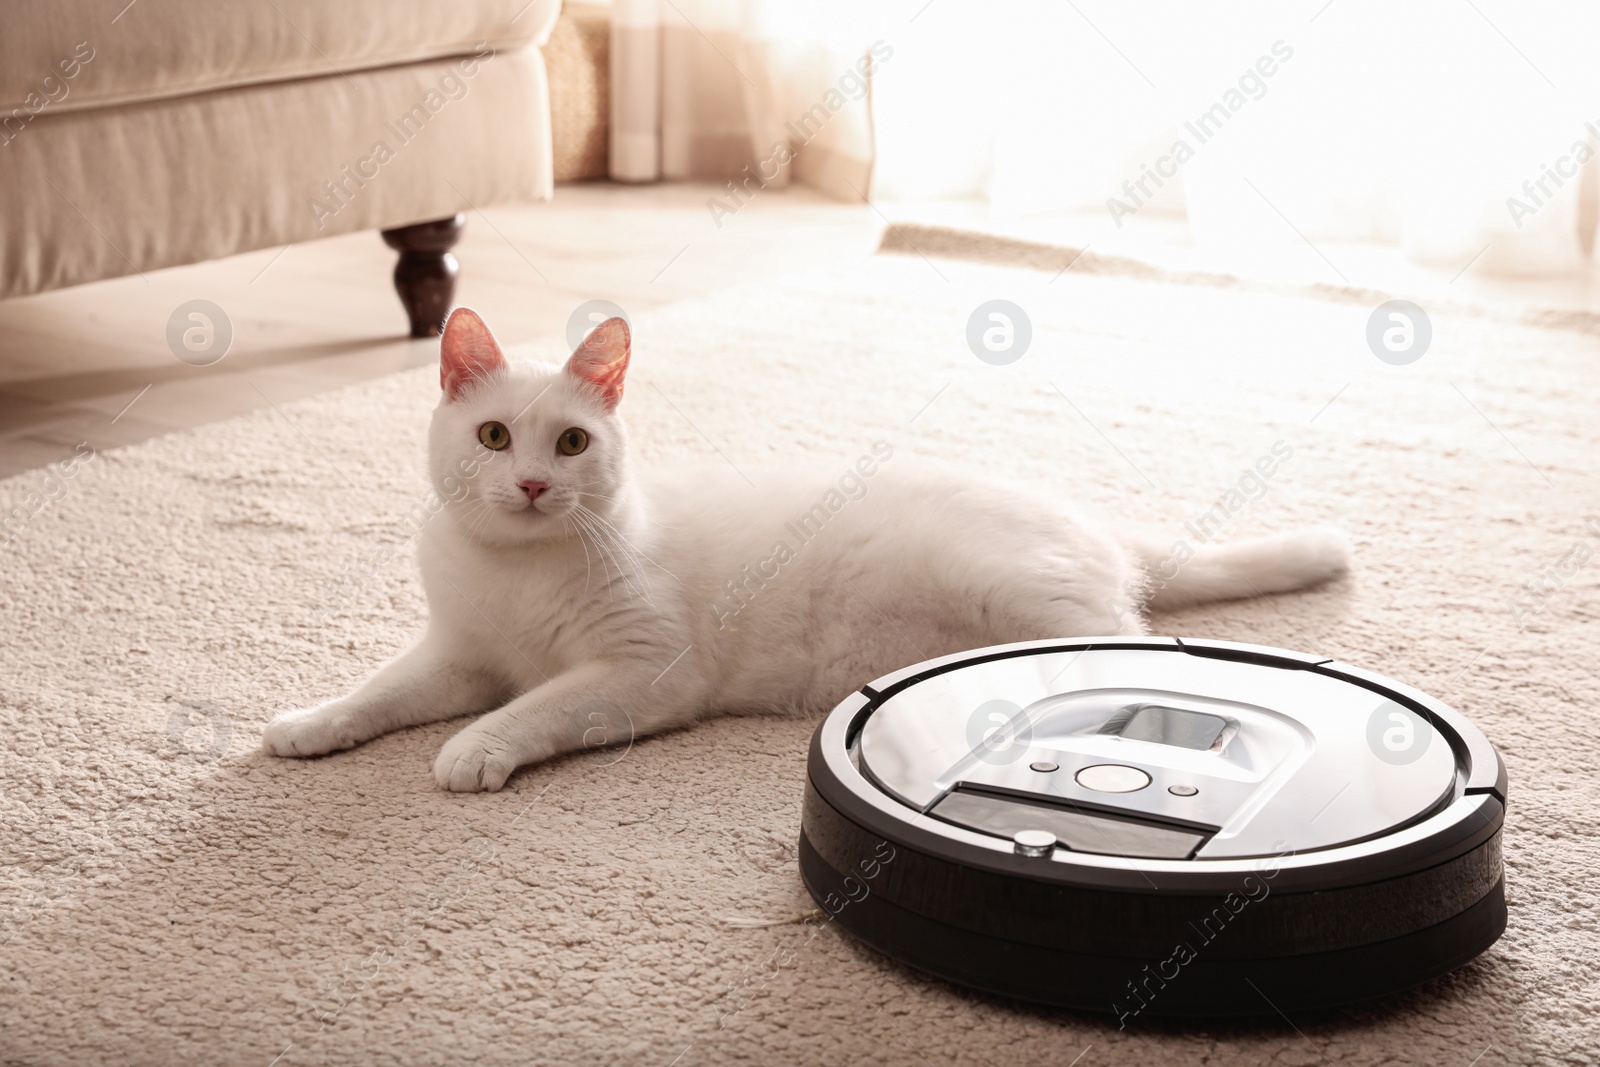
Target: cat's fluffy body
pixel 602 608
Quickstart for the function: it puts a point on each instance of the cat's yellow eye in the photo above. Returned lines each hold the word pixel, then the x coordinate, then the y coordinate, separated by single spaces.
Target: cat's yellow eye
pixel 572 441
pixel 494 435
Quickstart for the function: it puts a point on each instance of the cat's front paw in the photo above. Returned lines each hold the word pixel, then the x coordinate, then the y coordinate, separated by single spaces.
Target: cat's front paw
pixel 474 761
pixel 309 732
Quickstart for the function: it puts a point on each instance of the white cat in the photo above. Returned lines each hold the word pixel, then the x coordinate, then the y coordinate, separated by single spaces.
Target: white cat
pixel 580 607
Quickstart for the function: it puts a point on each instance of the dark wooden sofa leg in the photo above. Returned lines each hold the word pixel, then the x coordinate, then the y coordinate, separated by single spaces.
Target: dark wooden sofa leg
pixel 425 277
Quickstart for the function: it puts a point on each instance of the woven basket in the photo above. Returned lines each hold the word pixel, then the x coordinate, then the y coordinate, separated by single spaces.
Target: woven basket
pixel 578 60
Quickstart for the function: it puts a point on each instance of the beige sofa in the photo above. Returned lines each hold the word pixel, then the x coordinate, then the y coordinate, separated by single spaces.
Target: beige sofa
pixel 173 131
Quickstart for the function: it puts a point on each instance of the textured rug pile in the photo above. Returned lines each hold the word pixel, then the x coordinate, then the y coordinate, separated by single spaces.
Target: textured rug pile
pixel 170 895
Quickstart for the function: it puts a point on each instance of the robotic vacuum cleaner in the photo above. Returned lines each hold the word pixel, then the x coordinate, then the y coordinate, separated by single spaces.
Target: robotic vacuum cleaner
pixel 1155 826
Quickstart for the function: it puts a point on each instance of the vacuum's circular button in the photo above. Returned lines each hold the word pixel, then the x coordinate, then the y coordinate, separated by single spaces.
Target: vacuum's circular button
pixel 1113 778
pixel 1182 790
pixel 1044 766
pixel 1034 842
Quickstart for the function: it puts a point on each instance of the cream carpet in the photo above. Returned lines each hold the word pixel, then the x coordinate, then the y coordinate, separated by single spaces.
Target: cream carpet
pixel 172 896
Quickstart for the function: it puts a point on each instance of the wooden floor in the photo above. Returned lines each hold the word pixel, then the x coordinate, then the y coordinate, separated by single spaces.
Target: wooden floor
pixel 93 362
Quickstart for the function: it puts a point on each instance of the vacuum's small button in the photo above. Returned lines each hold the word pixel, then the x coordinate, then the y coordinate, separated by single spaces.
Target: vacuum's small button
pixel 1182 790
pixel 1044 766
pixel 1034 842
pixel 1113 778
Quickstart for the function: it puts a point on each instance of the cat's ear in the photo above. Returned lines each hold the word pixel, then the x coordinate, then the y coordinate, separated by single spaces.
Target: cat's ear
pixel 601 360
pixel 467 352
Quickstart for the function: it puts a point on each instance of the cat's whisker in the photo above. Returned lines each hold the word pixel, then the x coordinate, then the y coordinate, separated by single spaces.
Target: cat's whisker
pixel 616 541
pixel 588 568
pixel 601 552
pixel 638 553
pixel 468 520
pixel 609 547
pixel 609 497
pixel 480 520
pixel 634 581
pixel 612 527
pixel 612 498
pixel 651 519
pixel 587 532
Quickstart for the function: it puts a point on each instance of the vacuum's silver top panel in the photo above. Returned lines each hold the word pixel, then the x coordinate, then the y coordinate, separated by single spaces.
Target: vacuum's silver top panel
pixel 1157 753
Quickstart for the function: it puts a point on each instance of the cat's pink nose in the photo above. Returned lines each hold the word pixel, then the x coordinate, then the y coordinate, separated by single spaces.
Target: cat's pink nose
pixel 533 489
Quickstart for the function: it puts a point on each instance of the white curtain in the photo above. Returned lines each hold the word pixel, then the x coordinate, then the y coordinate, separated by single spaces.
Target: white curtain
pixel 1415 124
pixel 758 93
pixel 1459 130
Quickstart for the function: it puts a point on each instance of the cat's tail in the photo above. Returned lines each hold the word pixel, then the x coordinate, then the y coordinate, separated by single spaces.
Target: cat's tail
pixel 1251 567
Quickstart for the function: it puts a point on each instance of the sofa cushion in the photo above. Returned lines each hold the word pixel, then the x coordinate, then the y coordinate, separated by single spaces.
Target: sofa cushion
pixel 69 55
pixel 201 177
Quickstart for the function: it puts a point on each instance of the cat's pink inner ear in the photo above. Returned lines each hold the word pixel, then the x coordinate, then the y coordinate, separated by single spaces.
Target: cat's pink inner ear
pixel 602 359
pixel 467 352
